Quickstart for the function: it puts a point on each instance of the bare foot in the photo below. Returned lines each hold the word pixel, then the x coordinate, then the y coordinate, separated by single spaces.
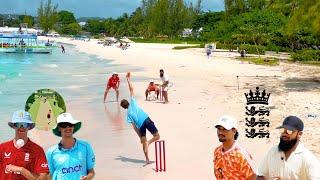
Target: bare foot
pixel 147 161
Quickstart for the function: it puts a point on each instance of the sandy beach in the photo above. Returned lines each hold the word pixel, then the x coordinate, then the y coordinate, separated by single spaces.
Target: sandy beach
pixel 203 90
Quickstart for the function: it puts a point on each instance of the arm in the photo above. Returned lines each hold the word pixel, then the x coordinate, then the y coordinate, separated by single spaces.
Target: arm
pixel 260 178
pixel 89 176
pixel 91 162
pixel 25 172
pixel 165 83
pixel 129 84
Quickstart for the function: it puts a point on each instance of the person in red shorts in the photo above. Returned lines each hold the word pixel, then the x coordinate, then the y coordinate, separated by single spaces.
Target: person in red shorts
pixel 20 158
pixel 152 87
pixel 114 83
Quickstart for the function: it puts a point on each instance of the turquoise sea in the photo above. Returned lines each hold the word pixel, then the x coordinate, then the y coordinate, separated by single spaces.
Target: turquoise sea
pixel 74 75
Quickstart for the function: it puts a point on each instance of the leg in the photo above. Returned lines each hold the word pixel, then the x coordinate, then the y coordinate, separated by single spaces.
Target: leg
pixel 147 93
pixel 117 92
pixel 157 92
pixel 153 130
pixel 165 95
pixel 105 94
pixel 145 148
pixel 156 137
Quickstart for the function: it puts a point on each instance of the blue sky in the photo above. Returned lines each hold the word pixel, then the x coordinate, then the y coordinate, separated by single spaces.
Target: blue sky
pixel 91 8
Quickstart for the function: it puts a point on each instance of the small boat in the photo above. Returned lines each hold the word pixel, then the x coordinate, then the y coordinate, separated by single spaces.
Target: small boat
pixel 18 42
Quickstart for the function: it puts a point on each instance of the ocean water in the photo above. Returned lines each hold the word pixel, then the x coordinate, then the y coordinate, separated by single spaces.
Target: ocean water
pixel 74 75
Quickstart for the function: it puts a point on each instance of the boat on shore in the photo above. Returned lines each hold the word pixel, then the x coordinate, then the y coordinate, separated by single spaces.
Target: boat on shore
pixel 17 42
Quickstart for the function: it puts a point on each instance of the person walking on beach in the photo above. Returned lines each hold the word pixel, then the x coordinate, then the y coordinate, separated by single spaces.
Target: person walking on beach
pixel 208 51
pixel 113 82
pixel 165 85
pixel 49 116
pixel 290 159
pixel 139 120
pixel 231 161
pixel 71 158
pixel 63 49
pixel 20 158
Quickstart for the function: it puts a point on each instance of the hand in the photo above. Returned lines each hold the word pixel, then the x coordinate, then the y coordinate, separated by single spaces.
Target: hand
pixel 83 177
pixel 13 168
pixel 128 75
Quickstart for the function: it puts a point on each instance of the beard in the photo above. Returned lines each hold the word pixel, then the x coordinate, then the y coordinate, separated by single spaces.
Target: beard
pixel 222 139
pixel 286 145
pixel 161 75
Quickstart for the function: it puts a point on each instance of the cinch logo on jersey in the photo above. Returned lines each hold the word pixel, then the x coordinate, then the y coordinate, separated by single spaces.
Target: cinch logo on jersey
pixel 44 165
pixel 76 168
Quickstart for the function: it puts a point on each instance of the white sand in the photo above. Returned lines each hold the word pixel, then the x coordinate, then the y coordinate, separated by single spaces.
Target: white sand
pixel 203 90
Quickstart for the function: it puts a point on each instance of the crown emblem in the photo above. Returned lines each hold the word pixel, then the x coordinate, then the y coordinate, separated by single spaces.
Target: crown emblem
pixel 257 97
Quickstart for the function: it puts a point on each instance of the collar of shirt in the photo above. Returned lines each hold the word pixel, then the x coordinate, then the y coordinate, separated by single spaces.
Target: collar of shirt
pixel 75 146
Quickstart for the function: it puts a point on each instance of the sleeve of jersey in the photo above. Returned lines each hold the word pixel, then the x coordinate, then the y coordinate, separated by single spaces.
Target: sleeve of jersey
pixel 41 164
pixel 247 165
pixel 50 161
pixel 312 166
pixel 91 159
pixel 1 154
pixel 133 102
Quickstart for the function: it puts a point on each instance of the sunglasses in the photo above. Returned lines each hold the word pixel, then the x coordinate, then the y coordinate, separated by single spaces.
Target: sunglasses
pixel 22 125
pixel 65 124
pixel 283 130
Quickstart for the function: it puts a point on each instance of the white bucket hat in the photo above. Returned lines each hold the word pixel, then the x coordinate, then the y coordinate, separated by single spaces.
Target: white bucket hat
pixel 66 117
pixel 21 116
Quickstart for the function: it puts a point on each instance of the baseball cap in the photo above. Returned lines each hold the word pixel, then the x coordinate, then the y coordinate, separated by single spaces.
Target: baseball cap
pixel 66 117
pixel 115 73
pixel 227 122
pixel 292 123
pixel 21 116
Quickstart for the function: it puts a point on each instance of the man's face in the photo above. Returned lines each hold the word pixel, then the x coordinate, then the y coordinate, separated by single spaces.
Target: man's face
pixel 288 139
pixel 161 73
pixel 21 130
pixel 66 129
pixel 225 135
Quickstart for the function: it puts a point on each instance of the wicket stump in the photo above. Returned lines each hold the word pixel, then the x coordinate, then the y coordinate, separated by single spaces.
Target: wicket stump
pixel 161 153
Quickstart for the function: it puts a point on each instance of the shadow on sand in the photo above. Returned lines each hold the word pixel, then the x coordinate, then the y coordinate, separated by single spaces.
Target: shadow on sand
pixel 136 161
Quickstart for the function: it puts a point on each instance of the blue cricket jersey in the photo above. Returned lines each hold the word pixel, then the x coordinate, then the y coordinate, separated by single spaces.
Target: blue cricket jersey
pixel 135 114
pixel 70 164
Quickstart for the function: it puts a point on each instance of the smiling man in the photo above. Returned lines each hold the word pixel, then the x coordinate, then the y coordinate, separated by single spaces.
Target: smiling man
pixel 71 159
pixel 290 159
pixel 21 158
pixel 231 161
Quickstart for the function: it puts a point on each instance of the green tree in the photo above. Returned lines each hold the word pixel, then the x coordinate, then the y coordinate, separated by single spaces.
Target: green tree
pixel 47 15
pixel 95 26
pixel 66 17
pixel 29 20
pixel 72 28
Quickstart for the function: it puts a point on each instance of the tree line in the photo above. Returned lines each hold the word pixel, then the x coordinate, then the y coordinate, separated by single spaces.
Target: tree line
pixel 254 25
